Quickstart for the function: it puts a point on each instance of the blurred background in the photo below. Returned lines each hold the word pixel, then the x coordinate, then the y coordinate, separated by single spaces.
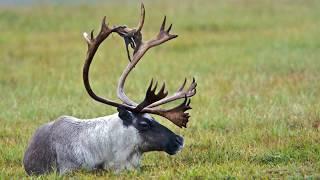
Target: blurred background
pixel 257 108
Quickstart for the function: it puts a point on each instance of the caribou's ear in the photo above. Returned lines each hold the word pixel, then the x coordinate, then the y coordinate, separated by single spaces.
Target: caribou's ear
pixel 125 115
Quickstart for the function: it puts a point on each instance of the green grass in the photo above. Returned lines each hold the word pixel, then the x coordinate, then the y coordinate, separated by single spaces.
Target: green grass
pixel 257 64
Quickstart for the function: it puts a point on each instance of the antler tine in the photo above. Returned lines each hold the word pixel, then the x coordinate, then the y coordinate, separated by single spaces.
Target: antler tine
pixel 163 23
pixel 142 17
pixel 104 33
pixel 104 26
pixel 168 30
pixel 162 90
pixel 155 87
pixel 179 94
pixel 193 85
pixel 183 84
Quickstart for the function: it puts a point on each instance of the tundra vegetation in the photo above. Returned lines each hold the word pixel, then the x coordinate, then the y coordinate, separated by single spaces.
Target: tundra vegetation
pixel 257 111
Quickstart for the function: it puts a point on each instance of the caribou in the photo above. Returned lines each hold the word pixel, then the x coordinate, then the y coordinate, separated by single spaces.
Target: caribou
pixel 118 141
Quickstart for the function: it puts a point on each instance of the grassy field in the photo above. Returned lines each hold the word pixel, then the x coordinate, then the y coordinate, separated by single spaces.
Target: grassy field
pixel 257 64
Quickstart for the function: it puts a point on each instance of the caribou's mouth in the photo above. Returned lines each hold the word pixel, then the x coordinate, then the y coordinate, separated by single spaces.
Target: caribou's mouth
pixel 174 147
pixel 175 151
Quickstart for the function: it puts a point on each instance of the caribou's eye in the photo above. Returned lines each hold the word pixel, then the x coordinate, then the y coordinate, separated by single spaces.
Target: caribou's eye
pixel 144 125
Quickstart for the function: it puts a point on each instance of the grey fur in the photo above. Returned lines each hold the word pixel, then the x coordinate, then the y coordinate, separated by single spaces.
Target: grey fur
pixel 102 143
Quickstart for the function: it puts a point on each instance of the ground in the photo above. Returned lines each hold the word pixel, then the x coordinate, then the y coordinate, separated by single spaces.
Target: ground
pixel 257 63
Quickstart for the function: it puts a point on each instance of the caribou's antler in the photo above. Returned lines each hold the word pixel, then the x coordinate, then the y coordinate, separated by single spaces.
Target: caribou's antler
pixel 133 37
pixel 93 44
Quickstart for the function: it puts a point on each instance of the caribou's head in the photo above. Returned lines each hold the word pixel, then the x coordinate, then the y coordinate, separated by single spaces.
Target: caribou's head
pixel 155 137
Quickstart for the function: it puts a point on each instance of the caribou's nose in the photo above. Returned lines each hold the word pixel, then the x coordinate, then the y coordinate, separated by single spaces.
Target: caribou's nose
pixel 179 140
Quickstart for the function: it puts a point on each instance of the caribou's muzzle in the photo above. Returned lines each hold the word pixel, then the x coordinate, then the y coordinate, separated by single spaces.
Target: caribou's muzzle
pixel 175 145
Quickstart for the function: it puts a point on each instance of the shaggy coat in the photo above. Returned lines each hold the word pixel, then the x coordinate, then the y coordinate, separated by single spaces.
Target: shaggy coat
pixel 114 142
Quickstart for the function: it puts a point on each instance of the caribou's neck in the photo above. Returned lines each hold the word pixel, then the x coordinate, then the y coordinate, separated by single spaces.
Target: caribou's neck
pixel 111 143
